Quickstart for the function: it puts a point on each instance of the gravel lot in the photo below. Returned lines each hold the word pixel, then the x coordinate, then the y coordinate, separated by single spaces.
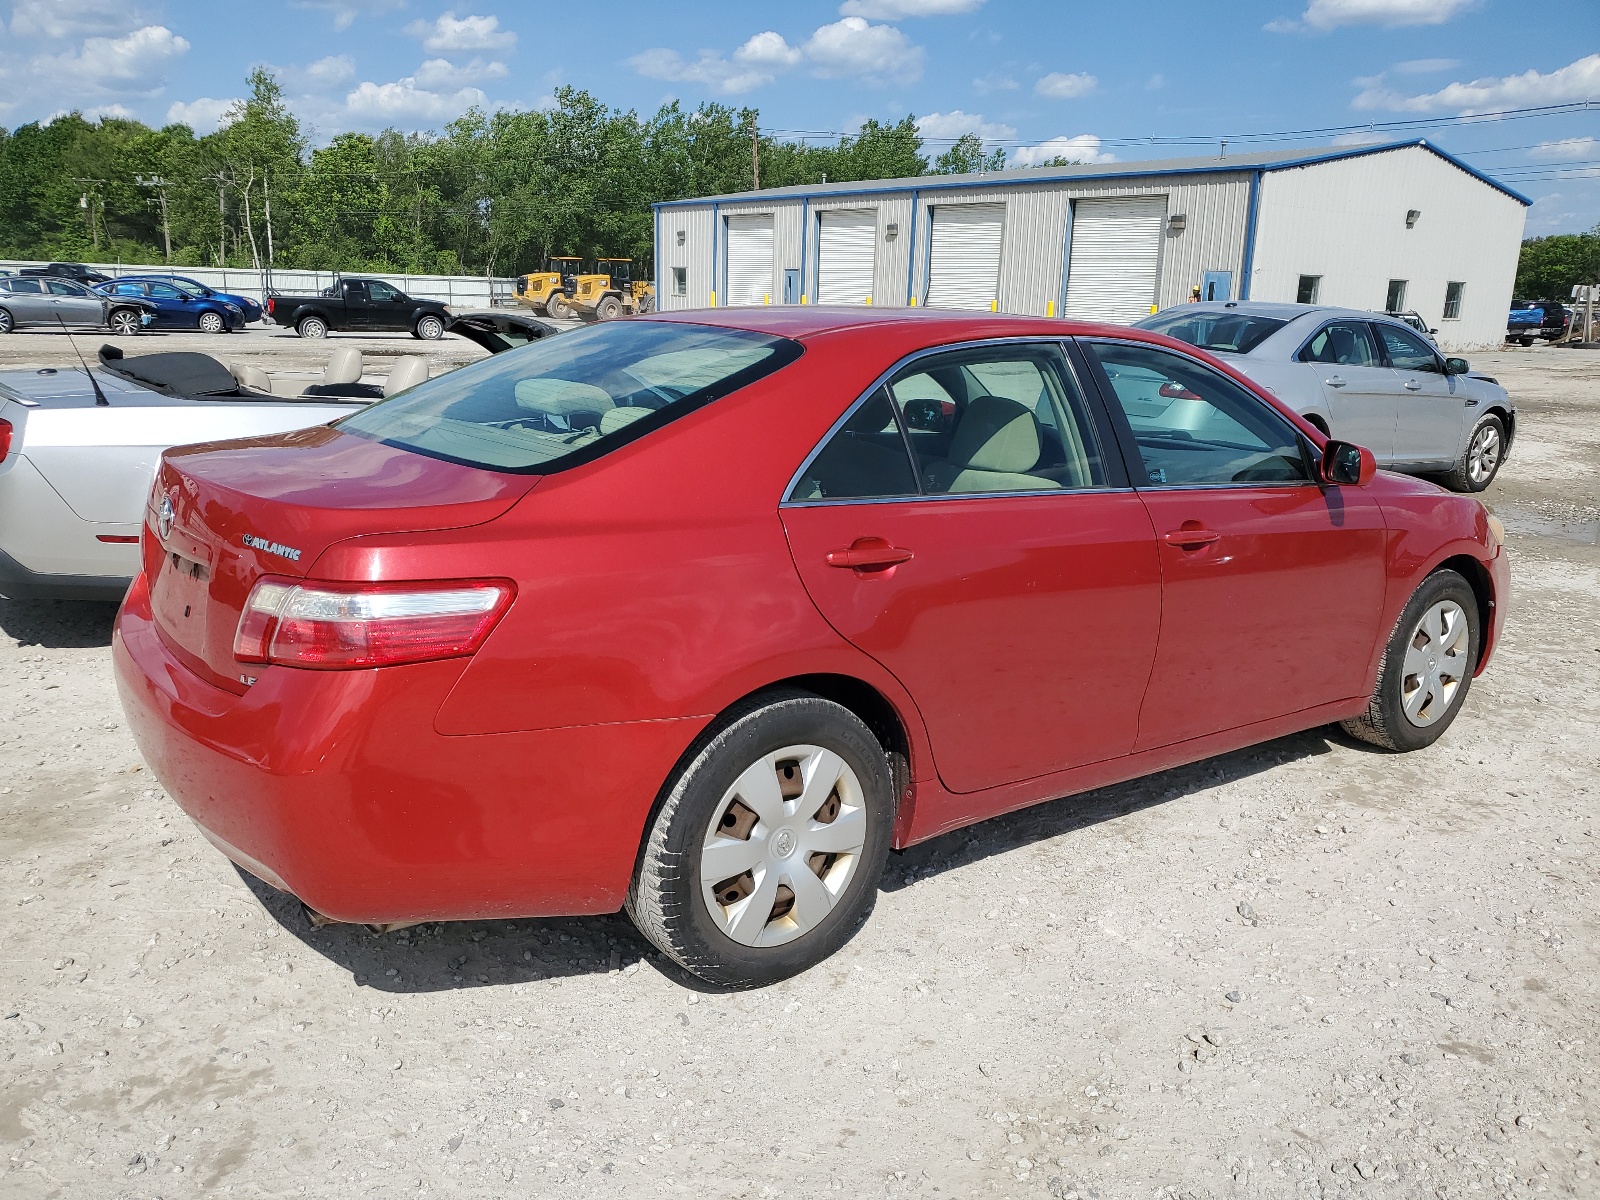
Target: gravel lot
pixel 1299 970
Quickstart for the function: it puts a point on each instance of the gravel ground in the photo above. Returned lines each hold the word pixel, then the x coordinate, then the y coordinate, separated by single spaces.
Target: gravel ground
pixel 1300 970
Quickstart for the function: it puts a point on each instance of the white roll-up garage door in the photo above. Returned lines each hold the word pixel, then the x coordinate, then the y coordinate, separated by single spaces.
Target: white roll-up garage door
pixel 964 257
pixel 1116 258
pixel 749 259
pixel 846 249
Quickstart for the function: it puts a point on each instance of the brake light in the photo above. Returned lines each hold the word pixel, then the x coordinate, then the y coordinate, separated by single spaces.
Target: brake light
pixel 272 304
pixel 338 626
pixel 5 438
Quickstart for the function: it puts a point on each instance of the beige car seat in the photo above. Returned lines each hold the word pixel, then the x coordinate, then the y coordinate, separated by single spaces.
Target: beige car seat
pixel 408 371
pixel 995 445
pixel 344 366
pixel 614 419
pixel 248 375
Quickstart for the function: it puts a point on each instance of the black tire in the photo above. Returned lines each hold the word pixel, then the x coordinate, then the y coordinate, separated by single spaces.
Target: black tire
pixel 647 303
pixel 1481 459
pixel 312 327
pixel 211 322
pixel 125 322
pixel 6 323
pixel 430 328
pixel 666 901
pixel 557 306
pixel 609 308
pixel 1385 722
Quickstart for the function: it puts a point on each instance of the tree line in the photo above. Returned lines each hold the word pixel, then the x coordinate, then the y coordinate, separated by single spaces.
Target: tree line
pixel 1551 266
pixel 494 193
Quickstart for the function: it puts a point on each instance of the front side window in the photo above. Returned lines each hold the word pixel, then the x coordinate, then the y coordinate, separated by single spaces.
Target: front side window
pixel 1452 300
pixel 1406 350
pixel 381 291
pixel 1306 293
pixel 1195 428
pixel 1346 343
pixel 65 287
pixel 570 399
pixel 1396 301
pixel 1232 332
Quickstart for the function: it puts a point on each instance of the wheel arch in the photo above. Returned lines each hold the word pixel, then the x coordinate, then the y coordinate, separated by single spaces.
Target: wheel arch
pixel 1508 419
pixel 1313 417
pixel 1477 577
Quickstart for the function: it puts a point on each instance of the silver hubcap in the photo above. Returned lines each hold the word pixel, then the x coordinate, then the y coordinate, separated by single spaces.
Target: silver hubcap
pixel 1436 664
pixel 1483 456
pixel 783 845
pixel 123 323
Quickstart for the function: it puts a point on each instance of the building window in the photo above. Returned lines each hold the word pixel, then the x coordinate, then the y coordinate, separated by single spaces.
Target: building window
pixel 1307 291
pixel 1397 296
pixel 1452 300
pixel 680 281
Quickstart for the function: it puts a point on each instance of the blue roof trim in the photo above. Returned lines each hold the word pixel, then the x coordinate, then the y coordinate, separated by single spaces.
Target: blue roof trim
pixel 1220 166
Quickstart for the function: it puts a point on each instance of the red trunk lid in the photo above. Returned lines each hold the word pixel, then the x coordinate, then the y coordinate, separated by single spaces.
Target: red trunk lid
pixel 272 505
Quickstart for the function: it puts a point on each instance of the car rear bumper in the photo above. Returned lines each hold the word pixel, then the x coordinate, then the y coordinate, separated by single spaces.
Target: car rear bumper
pixel 17 582
pixel 335 786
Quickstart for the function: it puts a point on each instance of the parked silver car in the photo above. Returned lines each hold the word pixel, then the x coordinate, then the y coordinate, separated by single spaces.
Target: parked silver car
pixel 46 300
pixel 1363 378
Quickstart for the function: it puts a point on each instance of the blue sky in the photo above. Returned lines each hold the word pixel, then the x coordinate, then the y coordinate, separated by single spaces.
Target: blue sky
pixel 1036 78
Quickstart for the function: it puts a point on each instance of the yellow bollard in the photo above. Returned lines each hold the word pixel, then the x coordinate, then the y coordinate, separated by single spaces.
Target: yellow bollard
pixel 713 299
pixel 802 298
pixel 766 298
pixel 869 300
pixel 994 306
pixel 1050 308
pixel 1154 309
pixel 913 302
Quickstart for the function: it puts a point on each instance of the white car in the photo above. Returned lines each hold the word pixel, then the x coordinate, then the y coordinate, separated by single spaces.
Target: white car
pixel 1364 378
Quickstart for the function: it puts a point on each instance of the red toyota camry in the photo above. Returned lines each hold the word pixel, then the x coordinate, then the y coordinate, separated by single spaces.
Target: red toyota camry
pixel 702 614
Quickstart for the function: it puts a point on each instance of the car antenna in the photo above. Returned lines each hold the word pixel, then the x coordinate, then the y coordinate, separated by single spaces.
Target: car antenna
pixel 99 396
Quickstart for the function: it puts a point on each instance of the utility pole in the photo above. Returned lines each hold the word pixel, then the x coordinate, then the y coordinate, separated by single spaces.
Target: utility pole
pixel 755 154
pixel 159 185
pixel 88 202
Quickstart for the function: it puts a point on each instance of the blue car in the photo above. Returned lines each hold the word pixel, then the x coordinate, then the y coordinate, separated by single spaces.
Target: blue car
pixel 250 308
pixel 178 308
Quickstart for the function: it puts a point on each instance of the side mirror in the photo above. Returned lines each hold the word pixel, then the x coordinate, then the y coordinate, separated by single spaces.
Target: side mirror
pixel 1456 366
pixel 1347 465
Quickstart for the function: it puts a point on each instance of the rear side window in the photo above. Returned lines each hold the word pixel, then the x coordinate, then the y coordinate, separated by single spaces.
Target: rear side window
pixel 569 399
pixel 1231 332
pixel 24 287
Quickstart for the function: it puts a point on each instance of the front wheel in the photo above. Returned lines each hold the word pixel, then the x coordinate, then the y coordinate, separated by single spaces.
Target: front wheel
pixel 558 307
pixel 430 329
pixel 211 322
pixel 125 322
pixel 1427 667
pixel 312 327
pixel 1480 461
pixel 609 308
pixel 766 854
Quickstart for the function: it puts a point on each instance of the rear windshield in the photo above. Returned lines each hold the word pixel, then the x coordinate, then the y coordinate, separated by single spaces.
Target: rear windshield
pixel 569 399
pixel 1230 332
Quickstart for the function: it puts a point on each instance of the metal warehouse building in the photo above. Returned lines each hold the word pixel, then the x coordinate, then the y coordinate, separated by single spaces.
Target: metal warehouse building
pixel 1398 227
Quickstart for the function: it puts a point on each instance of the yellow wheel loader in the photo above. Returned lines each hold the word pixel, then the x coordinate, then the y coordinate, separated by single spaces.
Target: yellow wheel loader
pixel 612 291
pixel 550 291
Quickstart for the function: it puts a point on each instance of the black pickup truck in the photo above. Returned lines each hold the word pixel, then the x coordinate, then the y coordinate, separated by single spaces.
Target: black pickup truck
pixel 355 305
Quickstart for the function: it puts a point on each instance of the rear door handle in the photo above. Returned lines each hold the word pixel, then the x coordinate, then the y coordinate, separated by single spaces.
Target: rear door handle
pixel 1335 381
pixel 868 554
pixel 1190 539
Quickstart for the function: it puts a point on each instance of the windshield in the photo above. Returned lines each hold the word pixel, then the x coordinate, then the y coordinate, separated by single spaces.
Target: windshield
pixel 1230 332
pixel 572 398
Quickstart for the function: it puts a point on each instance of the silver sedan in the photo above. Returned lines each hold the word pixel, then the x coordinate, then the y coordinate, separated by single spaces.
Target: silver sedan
pixel 1363 378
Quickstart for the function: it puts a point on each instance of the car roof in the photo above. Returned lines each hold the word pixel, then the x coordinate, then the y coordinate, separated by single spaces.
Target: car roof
pixel 811 320
pixel 1281 312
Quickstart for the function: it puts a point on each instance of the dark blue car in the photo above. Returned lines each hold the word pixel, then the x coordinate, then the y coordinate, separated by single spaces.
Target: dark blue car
pixel 180 308
pixel 250 308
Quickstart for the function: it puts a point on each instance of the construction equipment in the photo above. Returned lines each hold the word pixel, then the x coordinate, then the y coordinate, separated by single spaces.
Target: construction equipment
pixel 550 291
pixel 612 291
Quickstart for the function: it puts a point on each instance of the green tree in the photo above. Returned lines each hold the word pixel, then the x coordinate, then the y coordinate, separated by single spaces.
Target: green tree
pixel 967 156
pixel 1550 267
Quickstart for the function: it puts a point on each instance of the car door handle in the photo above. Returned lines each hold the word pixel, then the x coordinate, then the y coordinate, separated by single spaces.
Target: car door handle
pixel 868 554
pixel 1335 381
pixel 1413 386
pixel 1190 539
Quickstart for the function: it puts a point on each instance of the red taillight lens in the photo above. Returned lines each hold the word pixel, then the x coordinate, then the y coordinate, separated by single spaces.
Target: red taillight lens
pixel 335 626
pixel 5 438
pixel 272 304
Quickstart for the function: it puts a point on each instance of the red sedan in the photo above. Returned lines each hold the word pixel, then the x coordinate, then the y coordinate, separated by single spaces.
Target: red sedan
pixel 702 614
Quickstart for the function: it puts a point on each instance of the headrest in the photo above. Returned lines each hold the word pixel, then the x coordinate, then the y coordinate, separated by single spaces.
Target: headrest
pixel 614 419
pixel 407 372
pixel 996 434
pixel 562 397
pixel 344 365
pixel 250 376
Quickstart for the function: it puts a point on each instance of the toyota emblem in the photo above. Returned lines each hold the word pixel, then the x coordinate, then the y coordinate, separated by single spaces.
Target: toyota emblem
pixel 164 516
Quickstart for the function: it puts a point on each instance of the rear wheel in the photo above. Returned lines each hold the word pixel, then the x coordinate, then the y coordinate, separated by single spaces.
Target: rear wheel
pixel 125 322
pixel 312 327
pixel 766 855
pixel 1426 669
pixel 211 322
pixel 557 306
pixel 609 308
pixel 430 329
pixel 6 323
pixel 1480 461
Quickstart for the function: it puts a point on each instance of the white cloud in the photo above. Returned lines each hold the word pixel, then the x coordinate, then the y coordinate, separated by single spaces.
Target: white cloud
pixel 894 10
pixel 1567 148
pixel 204 115
pixel 1058 86
pixel 1085 147
pixel 138 59
pixel 405 101
pixel 450 33
pixel 56 21
pixel 768 49
pixel 333 71
pixel 345 12
pixel 874 54
pixel 98 113
pixel 1575 81
pixel 1426 66
pixel 951 125
pixel 1324 15
pixel 439 74
pixel 710 69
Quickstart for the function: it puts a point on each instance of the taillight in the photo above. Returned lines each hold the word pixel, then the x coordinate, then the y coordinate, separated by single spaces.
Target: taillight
pixel 5 438
pixel 336 626
pixel 272 304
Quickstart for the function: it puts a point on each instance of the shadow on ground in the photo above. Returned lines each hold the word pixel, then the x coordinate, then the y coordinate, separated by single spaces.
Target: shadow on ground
pixel 452 955
pixel 57 624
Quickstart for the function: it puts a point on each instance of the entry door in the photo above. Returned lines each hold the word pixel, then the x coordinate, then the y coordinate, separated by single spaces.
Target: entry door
pixel 964 255
pixel 1428 425
pixel 749 260
pixel 1361 393
pixel 1272 585
pixel 847 244
pixel 173 307
pixel 358 312
pixel 75 303
pixel 1115 259
pixel 1218 286
pixel 1003 581
pixel 28 301
pixel 791 286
